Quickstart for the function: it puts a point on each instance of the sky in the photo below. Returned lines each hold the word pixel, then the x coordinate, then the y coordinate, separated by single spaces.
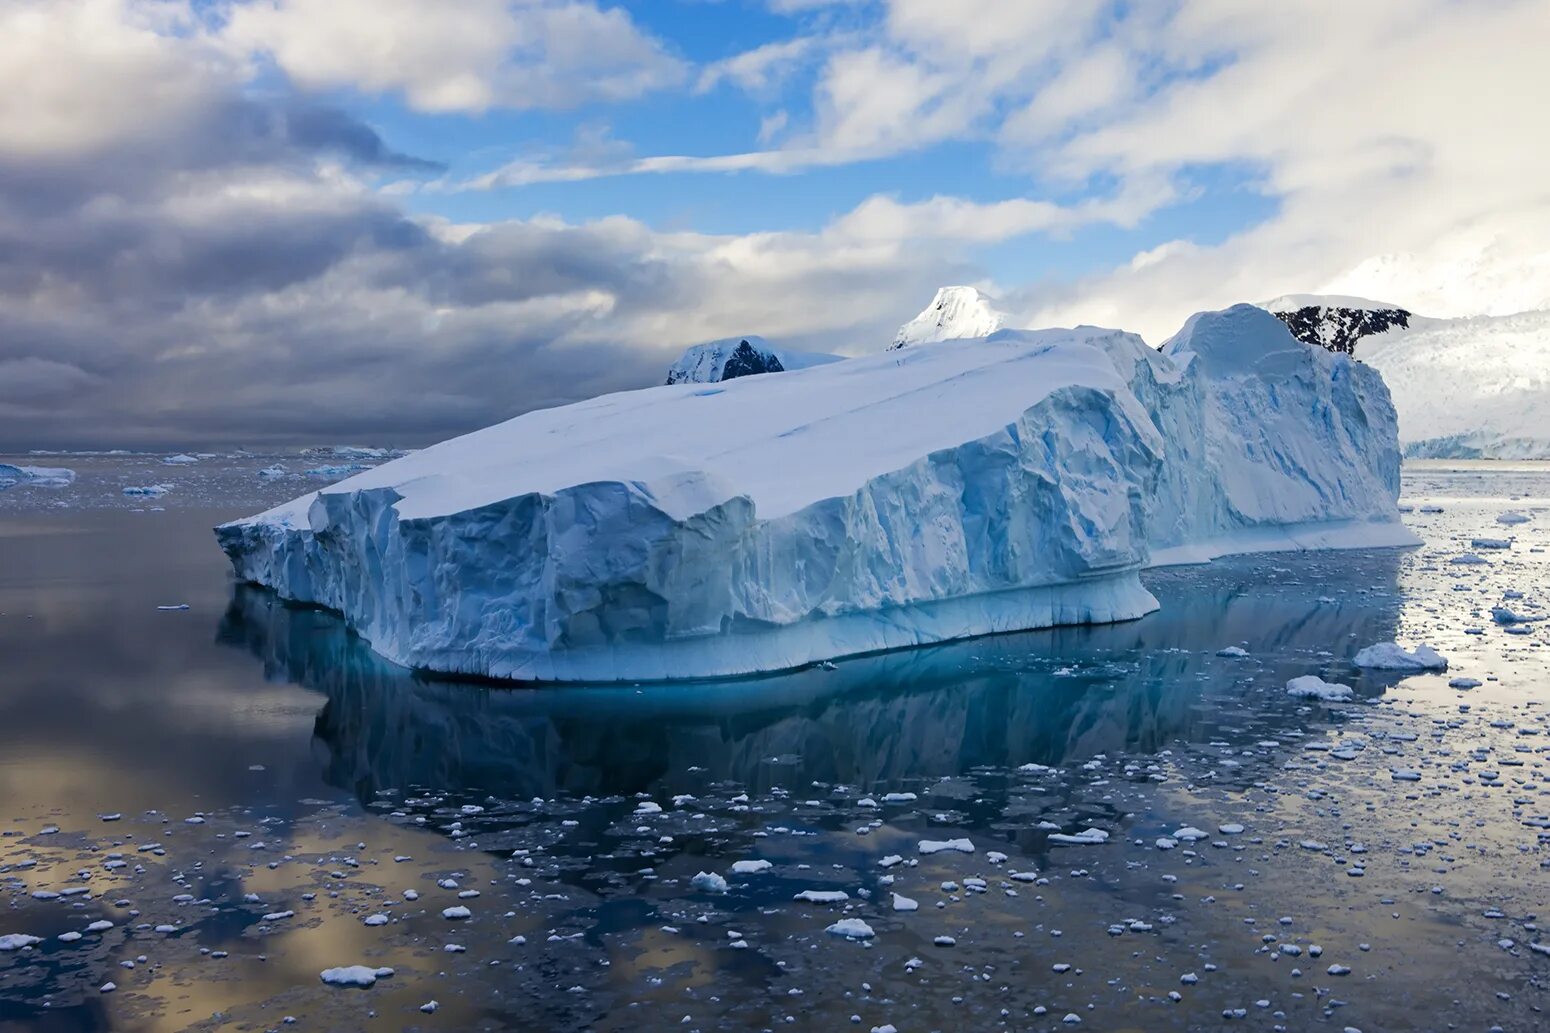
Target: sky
pixel 280 222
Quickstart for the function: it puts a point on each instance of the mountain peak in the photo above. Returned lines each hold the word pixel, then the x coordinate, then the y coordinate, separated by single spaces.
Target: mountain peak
pixel 954 313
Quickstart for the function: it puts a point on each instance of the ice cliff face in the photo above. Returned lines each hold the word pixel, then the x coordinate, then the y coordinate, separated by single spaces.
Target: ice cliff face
pixel 1475 387
pixel 769 522
pixel 955 313
pixel 734 357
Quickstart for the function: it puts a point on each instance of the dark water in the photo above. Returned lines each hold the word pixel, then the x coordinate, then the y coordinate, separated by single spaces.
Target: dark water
pixel 273 725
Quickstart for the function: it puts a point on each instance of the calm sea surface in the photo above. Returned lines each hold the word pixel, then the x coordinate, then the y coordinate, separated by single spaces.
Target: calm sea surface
pixel 250 797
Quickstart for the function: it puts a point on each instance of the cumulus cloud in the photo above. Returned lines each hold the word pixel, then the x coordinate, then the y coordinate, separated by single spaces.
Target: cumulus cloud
pixel 474 56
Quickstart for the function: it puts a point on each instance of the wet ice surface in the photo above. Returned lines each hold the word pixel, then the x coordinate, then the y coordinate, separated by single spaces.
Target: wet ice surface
pixel 252 799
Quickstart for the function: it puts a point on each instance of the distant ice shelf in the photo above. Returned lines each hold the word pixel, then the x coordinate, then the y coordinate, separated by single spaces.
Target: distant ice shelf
pixel 937 492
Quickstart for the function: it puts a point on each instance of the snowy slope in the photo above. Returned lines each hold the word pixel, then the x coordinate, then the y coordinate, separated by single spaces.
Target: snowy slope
pixel 1469 388
pixel 733 357
pixel 768 522
pixel 1476 387
pixel 955 313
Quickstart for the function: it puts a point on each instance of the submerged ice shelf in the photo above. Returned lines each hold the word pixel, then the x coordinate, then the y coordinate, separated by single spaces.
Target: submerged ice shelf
pixel 769 522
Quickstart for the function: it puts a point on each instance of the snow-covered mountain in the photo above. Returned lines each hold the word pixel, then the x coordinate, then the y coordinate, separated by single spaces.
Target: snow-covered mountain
pixel 1019 481
pixel 956 313
pixel 733 357
pixel 1470 388
pixel 1334 321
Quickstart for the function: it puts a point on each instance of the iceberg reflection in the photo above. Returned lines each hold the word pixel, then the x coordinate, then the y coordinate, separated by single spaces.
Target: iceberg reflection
pixel 1047 697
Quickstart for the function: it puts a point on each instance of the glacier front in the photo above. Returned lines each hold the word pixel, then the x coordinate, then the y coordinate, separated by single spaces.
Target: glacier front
pixel 939 492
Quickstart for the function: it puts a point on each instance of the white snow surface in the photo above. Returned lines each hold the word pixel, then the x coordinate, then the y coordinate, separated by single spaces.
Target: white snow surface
pixel 706 363
pixel 1294 302
pixel 1476 387
pixel 955 314
pixel 899 499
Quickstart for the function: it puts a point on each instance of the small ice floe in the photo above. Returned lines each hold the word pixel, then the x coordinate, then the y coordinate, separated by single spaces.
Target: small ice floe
pixel 751 867
pixel 1468 559
pixel 276 916
pixel 1464 683
pixel 709 882
pixel 1512 517
pixel 1507 615
pixel 354 975
pixel 890 861
pixel 270 473
pixel 181 459
pixel 648 807
pixel 1086 837
pixel 1405 775
pixel 377 919
pixel 1490 543
pixel 16 941
pixel 147 490
pixel 1230 829
pixel 905 903
pixel 851 929
pixel 173 606
pixel 899 797
pixel 429 1007
pixel 937 846
pixel 1391 656
pixel 1190 834
pixel 1311 686
pixel 822 896
pixel 1233 651
pixel 458 912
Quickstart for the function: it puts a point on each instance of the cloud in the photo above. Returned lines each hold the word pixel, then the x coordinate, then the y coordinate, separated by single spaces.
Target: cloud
pixel 482 54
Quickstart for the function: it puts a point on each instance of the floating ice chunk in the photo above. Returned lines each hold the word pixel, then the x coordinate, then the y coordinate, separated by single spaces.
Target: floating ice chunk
pixel 899 797
pixel 753 867
pixel 1463 683
pixel 353 975
pixel 1468 559
pixel 181 459
pixel 901 903
pixel 822 896
pixel 1405 775
pixel 1190 834
pixel 1311 686
pixel 1390 656
pixel 851 929
pixel 270 473
pixel 378 919
pixel 937 846
pixel 709 882
pixel 1511 517
pixel 147 490
pixel 173 606
pixel 1507 615
pixel 1233 651
pixel 1230 829
pixel 1490 543
pixel 458 912
pixel 1087 837
pixel 16 941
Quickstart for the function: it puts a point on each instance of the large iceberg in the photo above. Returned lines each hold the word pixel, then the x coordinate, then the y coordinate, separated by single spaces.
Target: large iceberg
pixel 917 496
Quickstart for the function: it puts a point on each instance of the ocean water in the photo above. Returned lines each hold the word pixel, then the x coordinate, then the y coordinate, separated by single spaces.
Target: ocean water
pixel 251 797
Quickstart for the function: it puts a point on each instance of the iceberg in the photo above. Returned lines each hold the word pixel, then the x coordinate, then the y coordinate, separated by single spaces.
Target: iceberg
pixel 912 497
pixel 733 357
pixel 35 476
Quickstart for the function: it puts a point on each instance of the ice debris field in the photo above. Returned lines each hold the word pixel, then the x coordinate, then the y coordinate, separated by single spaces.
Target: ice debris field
pixel 936 492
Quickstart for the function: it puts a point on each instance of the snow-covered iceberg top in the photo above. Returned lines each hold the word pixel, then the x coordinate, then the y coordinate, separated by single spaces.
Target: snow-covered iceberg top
pixel 733 357
pixel 955 314
pixel 911 497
